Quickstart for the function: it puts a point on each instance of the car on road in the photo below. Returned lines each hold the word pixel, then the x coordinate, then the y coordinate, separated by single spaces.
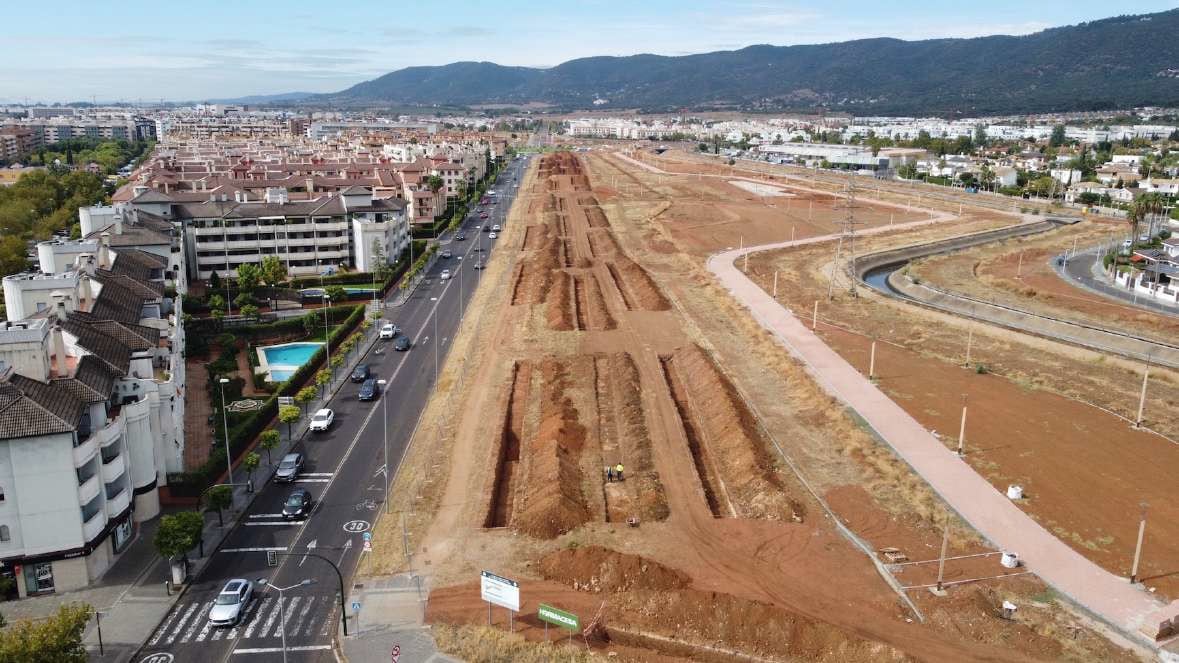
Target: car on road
pixel 478 265
pixel 297 505
pixel 486 228
pixel 388 330
pixel 495 228
pixel 446 254
pixel 361 373
pixel 401 343
pixel 461 237
pixel 289 468
pixel 230 605
pixel 445 274
pixel 322 420
pixel 491 236
pixel 483 215
pixel 368 390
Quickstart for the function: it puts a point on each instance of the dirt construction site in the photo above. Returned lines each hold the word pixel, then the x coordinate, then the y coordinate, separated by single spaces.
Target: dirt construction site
pixel 756 519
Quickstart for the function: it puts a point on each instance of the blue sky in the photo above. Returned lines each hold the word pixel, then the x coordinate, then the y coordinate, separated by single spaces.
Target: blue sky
pixel 78 49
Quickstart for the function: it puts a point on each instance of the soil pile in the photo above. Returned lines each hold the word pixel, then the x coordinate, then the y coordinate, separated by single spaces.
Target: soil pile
pixel 639 291
pixel 598 569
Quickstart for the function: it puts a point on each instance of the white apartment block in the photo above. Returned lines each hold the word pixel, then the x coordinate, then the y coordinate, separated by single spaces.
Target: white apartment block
pixel 91 412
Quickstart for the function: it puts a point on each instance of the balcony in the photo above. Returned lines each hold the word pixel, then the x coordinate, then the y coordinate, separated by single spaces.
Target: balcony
pixel 109 433
pixel 113 469
pixel 93 527
pixel 88 490
pixel 85 451
pixel 117 504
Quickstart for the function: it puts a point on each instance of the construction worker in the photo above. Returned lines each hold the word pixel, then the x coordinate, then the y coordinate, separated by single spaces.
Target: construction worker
pixel 618 471
pixel 609 473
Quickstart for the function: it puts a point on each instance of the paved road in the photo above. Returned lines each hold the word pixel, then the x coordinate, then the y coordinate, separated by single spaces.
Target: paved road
pixel 1084 270
pixel 345 472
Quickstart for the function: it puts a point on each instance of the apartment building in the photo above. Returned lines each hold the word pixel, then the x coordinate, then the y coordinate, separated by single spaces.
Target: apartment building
pixel 91 412
pixel 311 235
pixel 16 142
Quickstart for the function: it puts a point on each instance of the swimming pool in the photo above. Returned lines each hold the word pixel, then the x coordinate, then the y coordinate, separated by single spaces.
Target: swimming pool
pixel 367 289
pixel 280 362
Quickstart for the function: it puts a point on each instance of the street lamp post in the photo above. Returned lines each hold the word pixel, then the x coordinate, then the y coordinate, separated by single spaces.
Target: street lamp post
pixel 282 619
pixel 385 444
pixel 327 339
pixel 225 427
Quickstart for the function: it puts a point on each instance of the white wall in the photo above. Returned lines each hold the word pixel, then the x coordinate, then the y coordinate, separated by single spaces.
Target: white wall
pixel 41 499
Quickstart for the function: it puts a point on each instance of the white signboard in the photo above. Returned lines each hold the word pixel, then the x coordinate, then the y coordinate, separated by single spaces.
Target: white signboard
pixel 500 591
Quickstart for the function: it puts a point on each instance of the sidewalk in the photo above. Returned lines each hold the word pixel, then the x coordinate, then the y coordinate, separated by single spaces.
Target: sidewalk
pixel 1109 597
pixel 390 617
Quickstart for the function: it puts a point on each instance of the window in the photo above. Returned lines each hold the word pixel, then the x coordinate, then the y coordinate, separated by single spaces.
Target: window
pixel 5 535
pixel 1 493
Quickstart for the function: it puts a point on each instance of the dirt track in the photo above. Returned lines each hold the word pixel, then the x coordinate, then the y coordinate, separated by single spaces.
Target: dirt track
pixel 593 362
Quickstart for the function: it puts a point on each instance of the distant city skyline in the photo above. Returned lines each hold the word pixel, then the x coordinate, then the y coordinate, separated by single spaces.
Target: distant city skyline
pixel 78 51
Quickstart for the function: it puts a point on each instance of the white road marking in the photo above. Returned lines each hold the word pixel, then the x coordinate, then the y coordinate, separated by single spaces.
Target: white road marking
pixel 164 627
pixel 180 624
pixel 289 612
pixel 251 610
pixel 200 637
pixel 257 618
pixel 274 523
pixel 242 550
pixel 312 480
pixel 275 650
pixel 265 515
pixel 304 614
pixel 315 474
pixel 201 614
pixel 269 621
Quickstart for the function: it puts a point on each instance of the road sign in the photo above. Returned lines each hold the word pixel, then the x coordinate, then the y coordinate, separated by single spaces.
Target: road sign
pixel 271 558
pixel 368 546
pixel 356 526
pixel 368 536
pixel 500 591
pixel 356 606
pixel 286 400
pixel 163 657
pixel 558 617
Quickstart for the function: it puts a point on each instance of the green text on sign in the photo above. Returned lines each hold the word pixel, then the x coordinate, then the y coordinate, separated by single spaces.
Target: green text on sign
pixel 548 613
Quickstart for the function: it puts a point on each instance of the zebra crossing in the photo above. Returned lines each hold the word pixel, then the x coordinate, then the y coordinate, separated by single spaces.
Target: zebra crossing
pixel 304 617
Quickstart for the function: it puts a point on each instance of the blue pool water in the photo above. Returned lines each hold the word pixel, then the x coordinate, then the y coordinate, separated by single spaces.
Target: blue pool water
pixel 280 375
pixel 290 354
pixel 356 288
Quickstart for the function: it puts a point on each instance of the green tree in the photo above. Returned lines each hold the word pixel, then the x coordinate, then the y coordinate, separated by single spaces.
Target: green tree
pixel 55 639
pixel 435 183
pixel 249 276
pixel 215 281
pixel 218 498
pixel 250 311
pixel 336 293
pixel 310 323
pixel 380 265
pixel 178 533
pixel 305 396
pixel 323 377
pixel 289 415
pixel 250 463
pixel 987 175
pixel 980 135
pixel 337 361
pixel 1057 139
pixel 243 299
pixel 268 440
pixel 217 303
pixel 274 271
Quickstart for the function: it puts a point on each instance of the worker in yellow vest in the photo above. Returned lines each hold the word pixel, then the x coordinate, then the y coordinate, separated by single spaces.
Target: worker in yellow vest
pixel 618 471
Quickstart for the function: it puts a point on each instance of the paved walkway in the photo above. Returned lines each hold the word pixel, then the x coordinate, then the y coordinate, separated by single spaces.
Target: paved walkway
pixel 198 433
pixel 997 518
pixel 390 619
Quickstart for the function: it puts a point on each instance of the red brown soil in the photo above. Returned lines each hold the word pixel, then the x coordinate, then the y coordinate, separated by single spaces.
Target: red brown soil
pixel 639 291
pixel 598 569
pixel 503 492
pixel 625 436
pixel 553 502
pixel 559 313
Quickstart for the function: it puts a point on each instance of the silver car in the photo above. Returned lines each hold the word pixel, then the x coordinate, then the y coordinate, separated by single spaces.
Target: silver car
pixel 230 605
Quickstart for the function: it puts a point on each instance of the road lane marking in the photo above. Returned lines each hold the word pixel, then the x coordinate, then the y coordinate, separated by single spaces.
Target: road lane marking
pixel 303 615
pixel 269 621
pixel 242 550
pixel 180 624
pixel 272 523
pixel 312 480
pixel 289 613
pixel 315 474
pixel 164 627
pixel 203 612
pixel 257 618
pixel 275 650
pixel 265 515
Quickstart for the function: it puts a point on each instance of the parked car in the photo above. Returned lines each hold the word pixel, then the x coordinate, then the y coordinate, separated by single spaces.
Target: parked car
pixel 446 254
pixel 388 330
pixel 289 468
pixel 297 505
pixel 445 274
pixel 361 373
pixel 322 420
pixel 368 390
pixel 401 343
pixel 230 605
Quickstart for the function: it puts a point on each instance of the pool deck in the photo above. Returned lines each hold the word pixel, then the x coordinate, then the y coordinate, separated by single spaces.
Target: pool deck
pixel 264 365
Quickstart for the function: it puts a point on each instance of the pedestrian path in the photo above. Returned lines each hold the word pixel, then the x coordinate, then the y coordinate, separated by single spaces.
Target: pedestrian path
pixel 307 619
pixel 1103 594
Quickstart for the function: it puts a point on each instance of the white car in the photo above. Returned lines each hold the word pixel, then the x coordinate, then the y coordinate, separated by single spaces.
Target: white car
pixel 445 274
pixel 388 330
pixel 322 420
pixel 491 236
pixel 230 605
pixel 446 254
pixel 495 228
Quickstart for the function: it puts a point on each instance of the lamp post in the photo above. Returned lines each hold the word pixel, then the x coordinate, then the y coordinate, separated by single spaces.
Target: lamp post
pixel 225 427
pixel 327 339
pixel 385 444
pixel 282 618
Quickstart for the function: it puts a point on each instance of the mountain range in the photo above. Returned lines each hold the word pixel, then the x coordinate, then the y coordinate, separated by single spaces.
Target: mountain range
pixel 1112 63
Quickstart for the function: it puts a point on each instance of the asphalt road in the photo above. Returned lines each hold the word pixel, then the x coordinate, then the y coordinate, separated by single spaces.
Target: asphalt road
pixel 345 472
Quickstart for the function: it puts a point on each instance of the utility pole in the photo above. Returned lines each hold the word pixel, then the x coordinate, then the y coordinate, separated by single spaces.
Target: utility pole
pixel 815 317
pixel 872 361
pixel 969 342
pixel 941 559
pixel 1138 546
pixel 1142 396
pixel 1019 267
pixel 962 430
pixel 849 226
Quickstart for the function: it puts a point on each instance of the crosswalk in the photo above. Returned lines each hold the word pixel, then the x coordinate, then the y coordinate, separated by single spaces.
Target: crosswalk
pixel 303 617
